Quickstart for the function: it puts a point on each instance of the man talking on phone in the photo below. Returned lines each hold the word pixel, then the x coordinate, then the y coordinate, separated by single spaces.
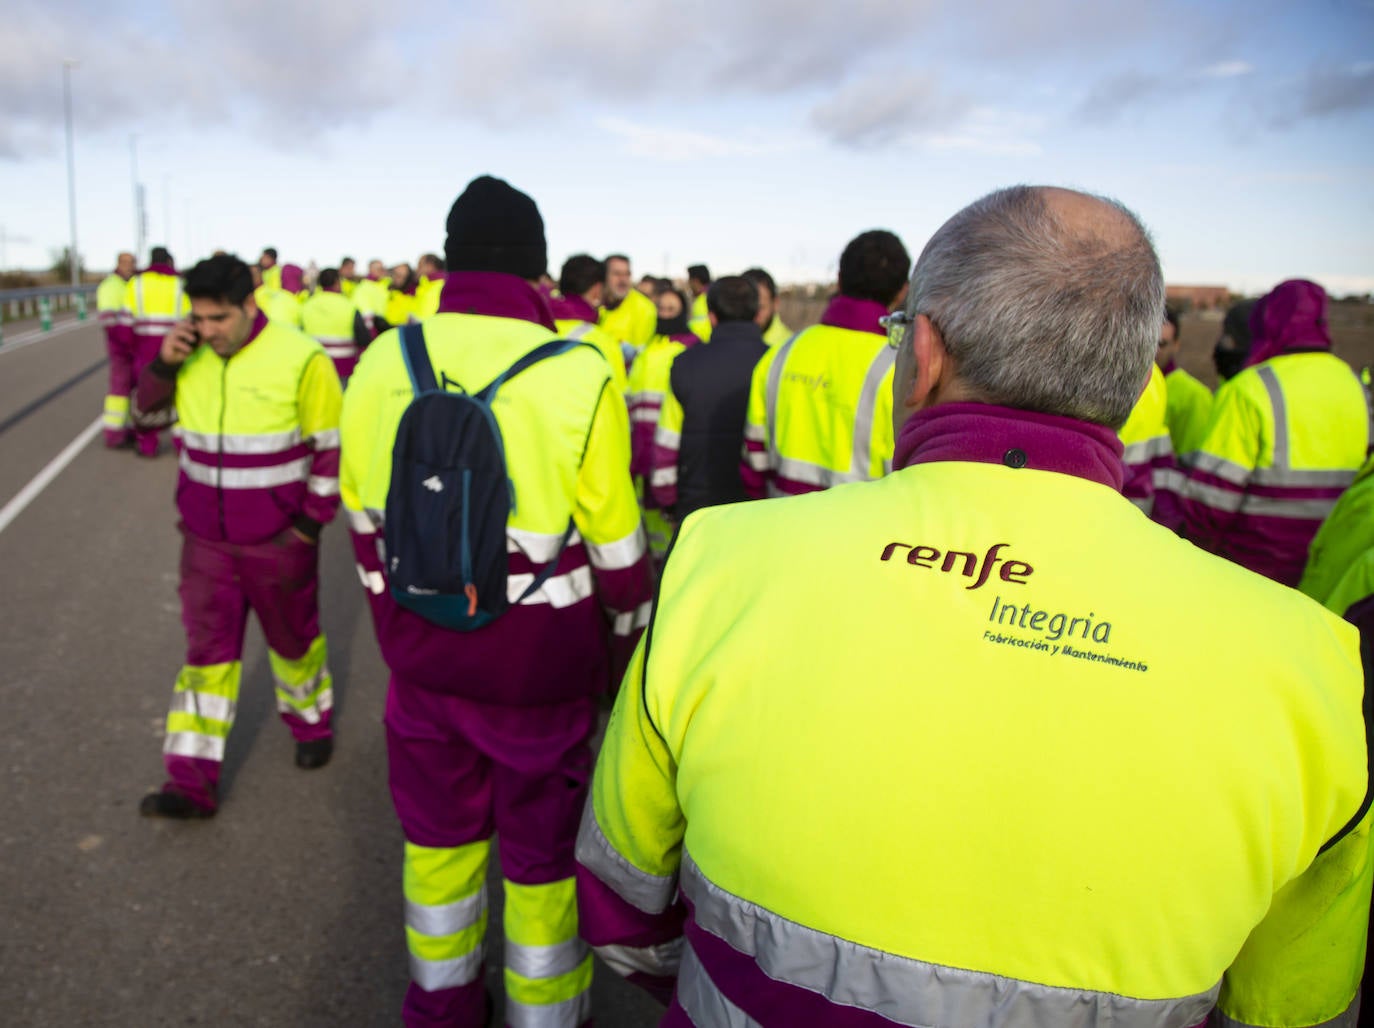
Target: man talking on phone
pixel 258 405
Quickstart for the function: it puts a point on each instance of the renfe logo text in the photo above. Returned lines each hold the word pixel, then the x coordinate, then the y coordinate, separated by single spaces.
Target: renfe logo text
pixel 965 563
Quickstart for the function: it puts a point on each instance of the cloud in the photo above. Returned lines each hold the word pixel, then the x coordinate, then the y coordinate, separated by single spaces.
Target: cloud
pixel 668 143
pixel 990 132
pixel 1227 70
pixel 1111 97
pixel 884 108
pixel 1325 92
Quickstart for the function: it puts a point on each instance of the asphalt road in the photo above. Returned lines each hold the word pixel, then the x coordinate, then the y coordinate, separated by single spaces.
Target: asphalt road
pixel 286 908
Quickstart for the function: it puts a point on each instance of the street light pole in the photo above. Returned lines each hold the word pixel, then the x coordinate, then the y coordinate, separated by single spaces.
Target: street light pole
pixel 73 259
pixel 139 219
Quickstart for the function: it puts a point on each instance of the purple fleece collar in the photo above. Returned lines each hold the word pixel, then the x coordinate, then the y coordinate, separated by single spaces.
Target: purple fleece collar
pixel 986 434
pixel 259 323
pixel 572 308
pixel 495 295
pixel 859 315
pixel 161 269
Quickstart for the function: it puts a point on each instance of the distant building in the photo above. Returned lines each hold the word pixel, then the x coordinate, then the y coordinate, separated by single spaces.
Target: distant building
pixel 1198 298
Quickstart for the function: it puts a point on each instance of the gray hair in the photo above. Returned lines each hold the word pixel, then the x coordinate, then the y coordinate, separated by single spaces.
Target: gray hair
pixel 1042 316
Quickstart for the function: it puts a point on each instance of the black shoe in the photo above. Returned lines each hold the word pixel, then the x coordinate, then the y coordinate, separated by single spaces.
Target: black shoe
pixel 315 753
pixel 173 805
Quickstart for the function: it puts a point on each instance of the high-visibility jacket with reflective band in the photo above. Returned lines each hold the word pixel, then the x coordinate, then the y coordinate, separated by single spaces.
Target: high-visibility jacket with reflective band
pixel 634 321
pixel 1189 410
pixel 1148 453
pixel 566 443
pixel 426 301
pixel 820 413
pixel 1340 562
pixel 260 436
pixel 608 345
pixel 776 332
pixel 646 386
pixel 370 297
pixel 1285 439
pixel 400 307
pixel 109 300
pixel 329 319
pixel 271 277
pixel 153 303
pixel 700 320
pixel 953 749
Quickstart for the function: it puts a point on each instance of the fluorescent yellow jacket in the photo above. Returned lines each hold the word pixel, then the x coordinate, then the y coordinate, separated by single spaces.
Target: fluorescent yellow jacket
pixel 271 277
pixel 776 332
pixel 700 320
pixel 370 297
pixel 109 300
pixel 153 302
pixel 278 305
pixel 400 307
pixel 1340 563
pixel 608 345
pixel 329 319
pixel 566 444
pixel 1285 439
pixel 1148 453
pixel 932 748
pixel 1189 409
pixel 820 410
pixel 426 303
pixel 634 321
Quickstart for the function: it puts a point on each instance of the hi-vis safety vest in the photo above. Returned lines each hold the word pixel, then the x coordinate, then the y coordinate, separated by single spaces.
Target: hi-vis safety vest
pixel 370 297
pixel 1340 563
pixel 995 770
pixel 1147 452
pixel 700 320
pixel 278 305
pixel 566 439
pixel 586 332
pixel 1285 439
pixel 260 437
pixel 1189 410
pixel 109 300
pixel 776 332
pixel 635 321
pixel 153 303
pixel 328 319
pixel 820 413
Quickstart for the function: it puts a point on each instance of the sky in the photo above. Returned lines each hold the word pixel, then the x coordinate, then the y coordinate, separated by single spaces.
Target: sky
pixel 729 132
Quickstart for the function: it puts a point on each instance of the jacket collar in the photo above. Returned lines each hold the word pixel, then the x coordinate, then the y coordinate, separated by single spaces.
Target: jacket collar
pixel 851 313
pixel 572 308
pixel 982 433
pixel 494 295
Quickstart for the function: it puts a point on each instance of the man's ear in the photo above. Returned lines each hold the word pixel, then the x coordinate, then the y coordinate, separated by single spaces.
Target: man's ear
pixel 928 348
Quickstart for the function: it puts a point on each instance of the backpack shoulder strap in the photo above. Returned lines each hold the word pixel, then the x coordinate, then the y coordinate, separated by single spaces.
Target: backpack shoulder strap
pixel 416 356
pixel 542 352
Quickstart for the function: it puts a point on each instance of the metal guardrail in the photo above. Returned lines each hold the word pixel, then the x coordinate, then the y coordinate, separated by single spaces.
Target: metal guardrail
pixel 42 301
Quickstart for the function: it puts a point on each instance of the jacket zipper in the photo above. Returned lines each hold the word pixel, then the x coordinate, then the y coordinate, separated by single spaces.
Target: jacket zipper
pixel 219 477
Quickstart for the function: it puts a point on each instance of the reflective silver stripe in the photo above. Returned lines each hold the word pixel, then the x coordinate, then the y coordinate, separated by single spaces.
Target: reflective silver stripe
pixel 1145 503
pixel 631 399
pixel 1273 507
pixel 1276 401
pixel 433 975
pixel 703 1002
pixel 312 714
pixel 245 478
pixel 138 295
pixel 1349 1019
pixel 664 476
pixel 325 439
pixel 270 442
pixel 770 396
pixel 323 485
pixel 1146 450
pixel 662 959
pixel 204 704
pixel 447 918
pixel 913 992
pixel 337 350
pixel 1282 477
pixel 327 341
pixel 568 1014
pixel 558 591
pixel 540 547
pixel 627 621
pixel 580 330
pixel 545 961
pixel 372 581
pixel 193 744
pixel 302 693
pixel 359 521
pixel 864 412
pixel 1214 496
pixel 622 553
pixel 755 433
pixel 667 439
pixel 647 411
pixel 814 474
pixel 1211 464
pixel 757 460
pixel 647 892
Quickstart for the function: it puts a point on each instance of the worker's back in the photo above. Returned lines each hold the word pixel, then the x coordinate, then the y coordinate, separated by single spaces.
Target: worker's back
pixel 953 748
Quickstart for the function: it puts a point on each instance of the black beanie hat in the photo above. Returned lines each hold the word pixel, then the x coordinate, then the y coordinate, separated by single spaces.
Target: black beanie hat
pixel 494 227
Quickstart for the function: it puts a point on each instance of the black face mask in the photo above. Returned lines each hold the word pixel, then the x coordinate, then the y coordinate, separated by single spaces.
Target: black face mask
pixel 673 326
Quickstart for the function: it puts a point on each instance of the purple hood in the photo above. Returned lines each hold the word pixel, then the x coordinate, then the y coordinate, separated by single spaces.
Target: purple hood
pixel 1289 319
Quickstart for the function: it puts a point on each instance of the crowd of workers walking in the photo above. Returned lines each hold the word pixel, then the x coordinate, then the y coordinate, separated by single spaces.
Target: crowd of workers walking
pixel 848 778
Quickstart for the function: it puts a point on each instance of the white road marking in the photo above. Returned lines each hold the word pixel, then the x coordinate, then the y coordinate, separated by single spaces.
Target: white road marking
pixel 38 335
pixel 40 481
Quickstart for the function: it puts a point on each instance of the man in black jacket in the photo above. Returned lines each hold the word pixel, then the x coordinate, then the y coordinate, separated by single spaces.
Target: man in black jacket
pixel 701 424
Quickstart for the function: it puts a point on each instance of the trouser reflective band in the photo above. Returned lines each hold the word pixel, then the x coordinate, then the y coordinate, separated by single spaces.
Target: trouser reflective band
pixel 202 711
pixel 446 913
pixel 304 685
pixel 116 414
pixel 548 968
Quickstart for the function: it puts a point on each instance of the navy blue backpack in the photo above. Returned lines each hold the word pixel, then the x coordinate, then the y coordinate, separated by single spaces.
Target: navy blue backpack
pixel 451 496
